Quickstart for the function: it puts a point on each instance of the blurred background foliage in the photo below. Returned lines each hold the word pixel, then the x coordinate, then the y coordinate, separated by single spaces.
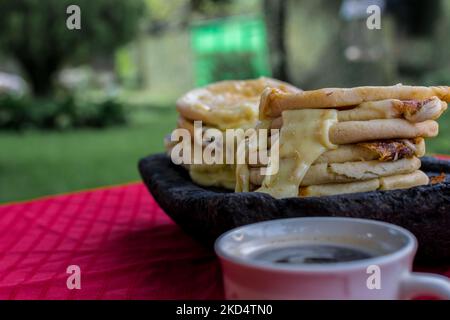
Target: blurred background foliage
pixel 33 34
pixel 78 108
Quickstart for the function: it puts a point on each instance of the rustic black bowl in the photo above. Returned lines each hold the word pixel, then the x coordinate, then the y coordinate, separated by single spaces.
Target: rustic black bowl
pixel 206 213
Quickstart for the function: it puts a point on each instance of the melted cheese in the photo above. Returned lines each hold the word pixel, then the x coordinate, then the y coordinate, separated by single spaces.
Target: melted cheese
pixel 303 138
pixel 228 104
pixel 242 170
pixel 244 149
pixel 213 175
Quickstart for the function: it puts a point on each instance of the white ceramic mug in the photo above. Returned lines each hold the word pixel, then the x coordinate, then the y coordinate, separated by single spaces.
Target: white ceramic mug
pixel 386 275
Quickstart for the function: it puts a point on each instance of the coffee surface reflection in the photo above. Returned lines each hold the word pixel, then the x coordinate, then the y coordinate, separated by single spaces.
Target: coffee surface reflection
pixel 311 254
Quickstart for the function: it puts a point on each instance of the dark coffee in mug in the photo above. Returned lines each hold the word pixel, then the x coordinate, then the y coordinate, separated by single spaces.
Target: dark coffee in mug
pixel 311 254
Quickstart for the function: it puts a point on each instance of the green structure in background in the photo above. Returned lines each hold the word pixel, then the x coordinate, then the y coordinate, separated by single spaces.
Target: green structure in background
pixel 231 48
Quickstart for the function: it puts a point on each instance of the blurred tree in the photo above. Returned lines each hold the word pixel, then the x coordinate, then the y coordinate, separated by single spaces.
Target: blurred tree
pixel 34 33
pixel 166 14
pixel 275 12
pixel 163 15
pixel 415 17
pixel 210 7
pixel 419 26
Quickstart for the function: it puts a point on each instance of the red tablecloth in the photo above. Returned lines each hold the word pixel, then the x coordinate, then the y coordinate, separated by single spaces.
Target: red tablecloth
pixel 124 244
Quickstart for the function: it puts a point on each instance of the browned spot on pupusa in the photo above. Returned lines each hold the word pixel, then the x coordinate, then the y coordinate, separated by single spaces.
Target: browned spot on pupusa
pixel 438 179
pixel 410 107
pixel 390 150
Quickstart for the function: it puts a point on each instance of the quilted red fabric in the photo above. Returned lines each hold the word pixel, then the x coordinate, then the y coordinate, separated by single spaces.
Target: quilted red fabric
pixel 125 245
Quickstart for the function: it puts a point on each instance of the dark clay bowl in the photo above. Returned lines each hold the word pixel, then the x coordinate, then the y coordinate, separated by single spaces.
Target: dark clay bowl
pixel 205 213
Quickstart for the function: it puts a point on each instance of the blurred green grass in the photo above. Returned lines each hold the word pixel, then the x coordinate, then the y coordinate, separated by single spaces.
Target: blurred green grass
pixel 38 163
pixel 441 144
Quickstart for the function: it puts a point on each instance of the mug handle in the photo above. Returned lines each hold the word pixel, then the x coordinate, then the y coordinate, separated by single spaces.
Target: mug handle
pixel 415 284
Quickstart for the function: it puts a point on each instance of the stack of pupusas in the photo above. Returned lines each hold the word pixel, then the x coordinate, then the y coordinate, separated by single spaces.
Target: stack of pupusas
pixel 336 141
pixel 222 105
